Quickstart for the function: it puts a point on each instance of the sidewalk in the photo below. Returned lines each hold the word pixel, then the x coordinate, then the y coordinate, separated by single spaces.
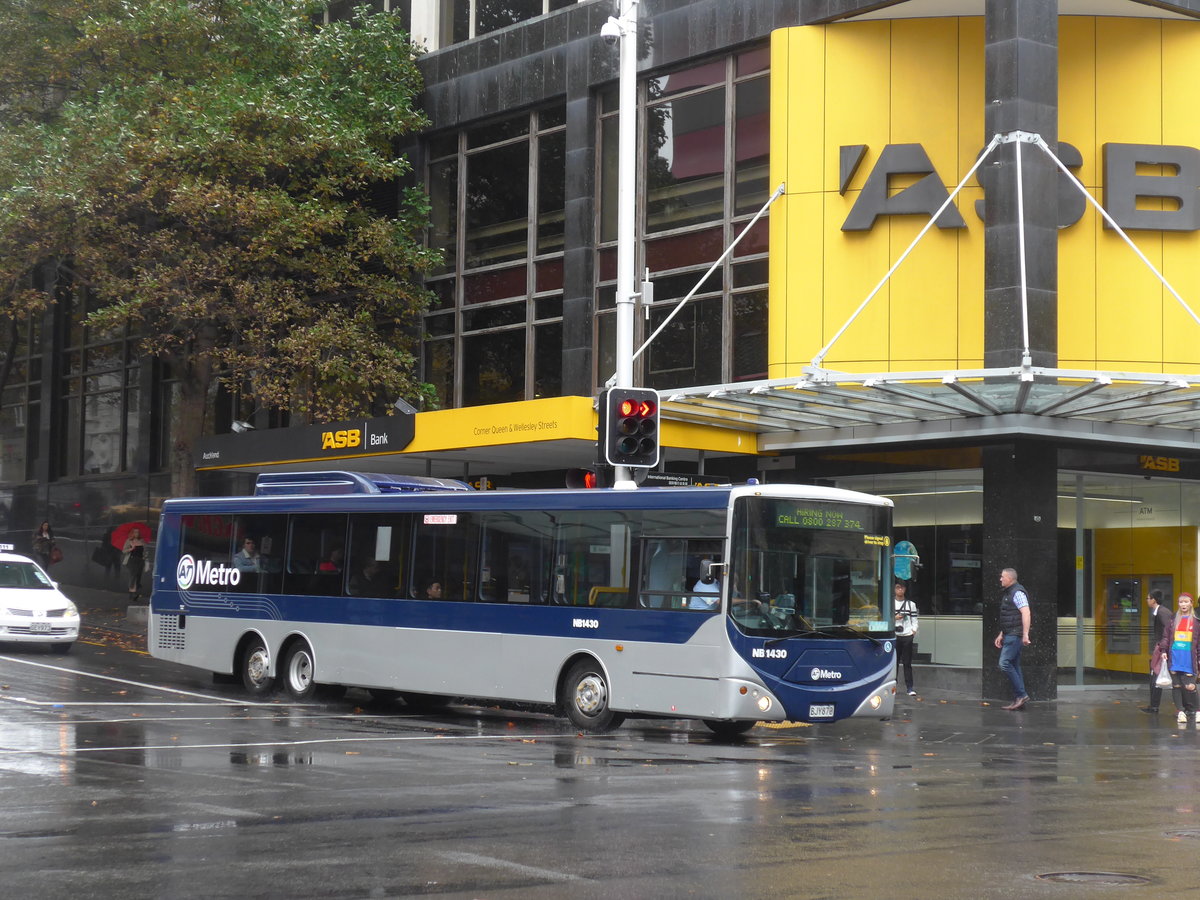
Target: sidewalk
pixel 107 614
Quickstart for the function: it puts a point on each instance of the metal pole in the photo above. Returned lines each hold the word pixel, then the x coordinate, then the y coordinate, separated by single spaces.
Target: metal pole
pixel 1079 582
pixel 626 208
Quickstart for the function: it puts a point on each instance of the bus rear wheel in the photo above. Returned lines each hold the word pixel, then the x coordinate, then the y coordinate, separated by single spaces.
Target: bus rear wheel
pixel 255 666
pixel 586 697
pixel 298 671
pixel 726 729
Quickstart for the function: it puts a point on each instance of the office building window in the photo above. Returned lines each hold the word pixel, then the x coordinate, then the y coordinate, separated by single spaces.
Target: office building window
pixel 98 397
pixel 493 332
pixel 20 389
pixel 343 10
pixel 462 20
pixel 703 175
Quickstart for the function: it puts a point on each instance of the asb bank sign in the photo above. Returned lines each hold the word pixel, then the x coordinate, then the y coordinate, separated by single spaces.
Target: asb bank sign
pixel 309 443
pixel 204 573
pixel 873 124
pixel 1146 187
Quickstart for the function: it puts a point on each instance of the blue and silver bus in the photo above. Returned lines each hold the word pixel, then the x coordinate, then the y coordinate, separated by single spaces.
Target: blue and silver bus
pixel 731 605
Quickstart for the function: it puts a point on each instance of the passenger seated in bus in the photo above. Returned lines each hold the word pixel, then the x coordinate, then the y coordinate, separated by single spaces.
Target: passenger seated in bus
pixel 247 559
pixel 333 563
pixel 706 592
pixel 433 590
pixel 372 581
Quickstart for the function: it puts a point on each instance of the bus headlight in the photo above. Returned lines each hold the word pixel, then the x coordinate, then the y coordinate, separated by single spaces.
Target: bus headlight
pixel 875 702
pixel 764 704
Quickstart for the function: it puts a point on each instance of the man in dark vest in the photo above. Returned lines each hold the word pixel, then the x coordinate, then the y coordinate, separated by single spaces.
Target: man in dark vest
pixel 1014 634
pixel 1160 640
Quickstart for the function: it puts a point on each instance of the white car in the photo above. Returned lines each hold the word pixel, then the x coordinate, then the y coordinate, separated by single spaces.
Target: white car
pixel 32 609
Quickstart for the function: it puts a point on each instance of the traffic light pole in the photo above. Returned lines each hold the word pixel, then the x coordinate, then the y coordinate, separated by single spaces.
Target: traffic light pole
pixel 626 207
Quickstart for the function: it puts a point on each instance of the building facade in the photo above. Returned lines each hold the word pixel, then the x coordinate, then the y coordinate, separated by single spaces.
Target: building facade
pixel 1013 374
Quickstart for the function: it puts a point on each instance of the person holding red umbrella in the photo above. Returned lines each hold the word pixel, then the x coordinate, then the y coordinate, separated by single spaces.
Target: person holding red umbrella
pixel 133 557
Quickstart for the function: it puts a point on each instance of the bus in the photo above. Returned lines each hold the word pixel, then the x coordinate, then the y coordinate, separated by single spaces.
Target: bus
pixel 731 604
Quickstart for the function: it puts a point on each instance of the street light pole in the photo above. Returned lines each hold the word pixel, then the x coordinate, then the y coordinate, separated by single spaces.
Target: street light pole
pixel 627 111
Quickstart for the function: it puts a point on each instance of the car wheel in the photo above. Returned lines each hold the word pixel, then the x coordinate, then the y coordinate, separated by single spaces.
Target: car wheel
pixel 298 671
pixel 585 698
pixel 255 666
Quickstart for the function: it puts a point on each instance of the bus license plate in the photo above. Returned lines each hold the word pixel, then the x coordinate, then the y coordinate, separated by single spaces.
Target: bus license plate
pixel 820 711
pixel 39 627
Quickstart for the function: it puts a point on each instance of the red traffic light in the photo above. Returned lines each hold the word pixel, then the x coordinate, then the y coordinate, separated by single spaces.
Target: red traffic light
pixel 641 409
pixel 629 427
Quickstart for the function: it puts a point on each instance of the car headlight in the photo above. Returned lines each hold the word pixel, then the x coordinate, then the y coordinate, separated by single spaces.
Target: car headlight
pixel 71 610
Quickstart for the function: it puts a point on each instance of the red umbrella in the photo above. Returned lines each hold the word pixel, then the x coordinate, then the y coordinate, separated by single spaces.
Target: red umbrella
pixel 121 533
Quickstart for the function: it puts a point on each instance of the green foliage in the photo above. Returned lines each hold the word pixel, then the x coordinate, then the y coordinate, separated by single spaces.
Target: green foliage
pixel 205 169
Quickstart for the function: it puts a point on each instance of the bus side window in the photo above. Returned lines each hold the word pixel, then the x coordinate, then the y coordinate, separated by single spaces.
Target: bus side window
pixel 678 573
pixel 445 553
pixel 515 549
pixel 593 560
pixel 375 564
pixel 257 542
pixel 664 563
pixel 316 555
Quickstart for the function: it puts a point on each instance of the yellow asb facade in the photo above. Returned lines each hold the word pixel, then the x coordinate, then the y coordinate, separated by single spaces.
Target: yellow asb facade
pixel 858 88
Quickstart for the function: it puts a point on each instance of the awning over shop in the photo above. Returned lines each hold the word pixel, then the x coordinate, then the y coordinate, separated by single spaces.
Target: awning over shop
pixel 829 408
pixel 530 436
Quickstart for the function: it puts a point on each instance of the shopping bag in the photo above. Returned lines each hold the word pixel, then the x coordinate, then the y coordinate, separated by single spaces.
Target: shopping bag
pixel 1163 678
pixel 55 554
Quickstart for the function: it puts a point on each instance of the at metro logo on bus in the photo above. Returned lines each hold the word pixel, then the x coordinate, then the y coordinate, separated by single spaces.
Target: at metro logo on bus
pixel 1125 186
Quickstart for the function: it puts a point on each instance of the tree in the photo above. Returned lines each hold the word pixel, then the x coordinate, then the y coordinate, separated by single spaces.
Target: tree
pixel 204 170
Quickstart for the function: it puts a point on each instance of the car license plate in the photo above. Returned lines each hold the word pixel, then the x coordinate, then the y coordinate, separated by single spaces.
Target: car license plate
pixel 820 711
pixel 39 627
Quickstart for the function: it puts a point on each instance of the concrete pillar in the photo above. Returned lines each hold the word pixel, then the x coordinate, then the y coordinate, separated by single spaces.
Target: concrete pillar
pixel 1020 530
pixel 1019 480
pixel 1021 87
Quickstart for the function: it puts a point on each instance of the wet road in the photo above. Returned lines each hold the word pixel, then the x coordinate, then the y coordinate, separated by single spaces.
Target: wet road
pixel 121 776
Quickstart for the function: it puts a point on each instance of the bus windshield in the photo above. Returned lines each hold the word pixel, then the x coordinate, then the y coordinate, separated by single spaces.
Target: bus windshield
pixel 808 567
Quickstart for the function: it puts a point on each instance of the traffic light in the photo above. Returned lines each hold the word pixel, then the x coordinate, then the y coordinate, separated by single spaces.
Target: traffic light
pixel 629 426
pixel 580 479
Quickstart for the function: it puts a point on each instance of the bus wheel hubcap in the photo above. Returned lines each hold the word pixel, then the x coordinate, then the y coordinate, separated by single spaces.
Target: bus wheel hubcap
pixel 257 666
pixel 301 671
pixel 591 695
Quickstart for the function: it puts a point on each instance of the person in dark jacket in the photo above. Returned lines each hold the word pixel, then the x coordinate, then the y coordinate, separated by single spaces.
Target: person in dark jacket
pixel 1015 618
pixel 43 544
pixel 1161 620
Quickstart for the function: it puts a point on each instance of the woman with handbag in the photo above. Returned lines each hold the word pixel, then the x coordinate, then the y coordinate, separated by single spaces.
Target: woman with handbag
pixel 43 544
pixel 133 558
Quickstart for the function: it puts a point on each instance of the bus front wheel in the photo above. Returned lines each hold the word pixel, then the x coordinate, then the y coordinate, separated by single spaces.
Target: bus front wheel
pixel 298 671
pixel 256 664
pixel 586 697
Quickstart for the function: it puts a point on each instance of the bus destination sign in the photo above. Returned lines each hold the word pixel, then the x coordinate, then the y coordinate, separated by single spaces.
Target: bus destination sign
pixel 819 517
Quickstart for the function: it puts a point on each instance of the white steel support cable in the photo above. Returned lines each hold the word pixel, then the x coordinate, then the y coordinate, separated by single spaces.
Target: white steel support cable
pixel 1026 359
pixel 987 151
pixel 720 259
pixel 1038 141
